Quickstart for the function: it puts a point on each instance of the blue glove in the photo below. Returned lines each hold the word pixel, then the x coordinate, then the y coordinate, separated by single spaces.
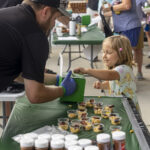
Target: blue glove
pixel 57 80
pixel 147 28
pixel 68 84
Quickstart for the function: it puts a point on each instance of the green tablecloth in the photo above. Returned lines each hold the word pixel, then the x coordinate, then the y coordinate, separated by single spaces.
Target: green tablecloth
pixel 93 37
pixel 27 117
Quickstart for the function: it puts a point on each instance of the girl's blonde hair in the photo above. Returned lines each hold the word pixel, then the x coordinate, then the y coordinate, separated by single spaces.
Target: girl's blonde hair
pixel 122 46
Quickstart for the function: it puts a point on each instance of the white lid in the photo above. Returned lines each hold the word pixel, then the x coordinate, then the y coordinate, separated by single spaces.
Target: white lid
pixel 84 142
pixel 70 143
pixel 44 136
pixel 41 143
pixel 70 137
pixel 75 148
pixel 57 136
pixel 24 142
pixel 103 138
pixel 91 148
pixel 118 135
pixel 31 135
pixel 57 144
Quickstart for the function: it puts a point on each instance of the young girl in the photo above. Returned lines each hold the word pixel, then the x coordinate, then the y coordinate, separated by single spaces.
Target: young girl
pixel 118 77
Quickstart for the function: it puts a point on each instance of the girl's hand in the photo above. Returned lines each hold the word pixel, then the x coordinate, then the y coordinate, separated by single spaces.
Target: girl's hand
pixel 97 85
pixel 80 70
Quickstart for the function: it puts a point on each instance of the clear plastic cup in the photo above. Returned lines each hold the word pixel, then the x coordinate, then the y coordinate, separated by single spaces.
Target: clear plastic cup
pixel 86 124
pixel 98 127
pixel 75 128
pixel 82 115
pixel 105 113
pixel 63 120
pixel 116 120
pixel 114 128
pixel 82 106
pixel 63 125
pixel 108 108
pixel 80 111
pixel 95 119
pixel 90 102
pixel 75 121
pixel 97 111
pixel 98 105
pixel 112 115
pixel 72 113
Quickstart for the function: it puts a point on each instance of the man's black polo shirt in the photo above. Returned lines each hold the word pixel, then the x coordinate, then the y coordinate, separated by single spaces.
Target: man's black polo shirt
pixel 23 45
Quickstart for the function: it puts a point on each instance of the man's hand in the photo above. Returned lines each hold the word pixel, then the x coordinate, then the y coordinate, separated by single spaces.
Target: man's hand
pixel 80 70
pixel 68 84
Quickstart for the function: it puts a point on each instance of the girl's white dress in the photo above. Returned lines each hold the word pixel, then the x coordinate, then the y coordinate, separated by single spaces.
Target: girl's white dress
pixel 126 85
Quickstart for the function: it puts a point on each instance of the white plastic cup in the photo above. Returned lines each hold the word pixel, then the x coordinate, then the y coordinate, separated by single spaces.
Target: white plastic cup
pixel 59 31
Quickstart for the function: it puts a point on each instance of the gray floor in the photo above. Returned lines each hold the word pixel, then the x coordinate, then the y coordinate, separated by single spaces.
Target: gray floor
pixel 143 87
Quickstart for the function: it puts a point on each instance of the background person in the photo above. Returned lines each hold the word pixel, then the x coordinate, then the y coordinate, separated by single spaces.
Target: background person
pixel 126 22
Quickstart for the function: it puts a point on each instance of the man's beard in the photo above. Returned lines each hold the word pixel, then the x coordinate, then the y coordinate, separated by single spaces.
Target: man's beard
pixel 46 27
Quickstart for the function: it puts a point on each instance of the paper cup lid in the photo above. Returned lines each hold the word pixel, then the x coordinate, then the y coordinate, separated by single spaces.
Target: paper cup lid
pixel 31 135
pixel 70 137
pixel 75 148
pixel 44 136
pixel 26 142
pixel 57 136
pixel 118 135
pixel 103 138
pixel 84 142
pixel 57 143
pixel 91 148
pixel 41 143
pixel 70 143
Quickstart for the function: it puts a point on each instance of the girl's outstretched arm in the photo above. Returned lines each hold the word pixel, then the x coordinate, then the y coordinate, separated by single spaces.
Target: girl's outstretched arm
pixel 99 74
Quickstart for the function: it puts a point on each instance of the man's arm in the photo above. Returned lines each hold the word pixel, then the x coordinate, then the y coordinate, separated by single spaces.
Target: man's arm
pixel 49 79
pixel 39 93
